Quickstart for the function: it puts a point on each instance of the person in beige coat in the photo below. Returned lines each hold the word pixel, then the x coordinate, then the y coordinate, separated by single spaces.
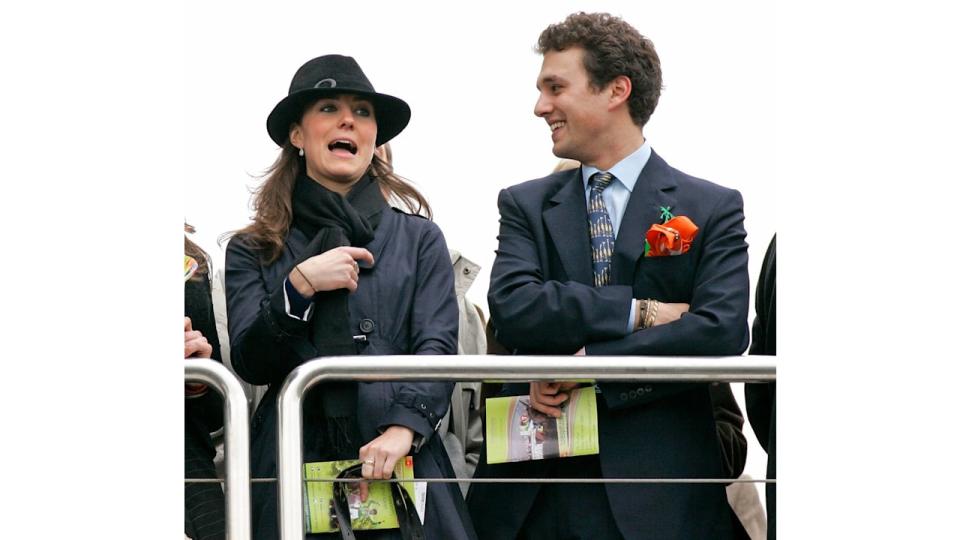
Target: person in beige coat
pixel 462 427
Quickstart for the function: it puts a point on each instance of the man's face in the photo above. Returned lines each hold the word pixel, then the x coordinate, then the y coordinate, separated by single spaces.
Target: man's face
pixel 576 113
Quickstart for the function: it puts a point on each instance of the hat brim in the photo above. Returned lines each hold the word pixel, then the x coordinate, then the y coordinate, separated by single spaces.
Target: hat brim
pixel 392 114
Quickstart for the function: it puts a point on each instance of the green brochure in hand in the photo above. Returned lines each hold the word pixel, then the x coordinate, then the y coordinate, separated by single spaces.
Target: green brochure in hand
pixel 376 513
pixel 517 432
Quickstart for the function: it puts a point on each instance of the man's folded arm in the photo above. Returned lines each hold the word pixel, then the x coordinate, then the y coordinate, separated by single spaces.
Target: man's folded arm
pixel 545 315
pixel 716 324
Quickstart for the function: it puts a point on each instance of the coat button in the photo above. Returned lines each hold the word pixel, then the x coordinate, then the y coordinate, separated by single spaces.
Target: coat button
pixel 367 326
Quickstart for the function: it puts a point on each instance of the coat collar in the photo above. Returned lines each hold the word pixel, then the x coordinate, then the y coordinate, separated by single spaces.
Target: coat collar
pixel 464 272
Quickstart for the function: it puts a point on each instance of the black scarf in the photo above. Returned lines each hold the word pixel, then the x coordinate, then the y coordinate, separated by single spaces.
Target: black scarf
pixel 332 220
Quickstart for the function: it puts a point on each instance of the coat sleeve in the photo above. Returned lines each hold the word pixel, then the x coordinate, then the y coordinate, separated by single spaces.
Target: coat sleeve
pixel 760 396
pixel 729 419
pixel 433 330
pixel 716 324
pixel 266 344
pixel 547 316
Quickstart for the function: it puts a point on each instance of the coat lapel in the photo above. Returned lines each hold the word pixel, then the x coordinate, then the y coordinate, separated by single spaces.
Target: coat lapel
pixel 566 222
pixel 654 188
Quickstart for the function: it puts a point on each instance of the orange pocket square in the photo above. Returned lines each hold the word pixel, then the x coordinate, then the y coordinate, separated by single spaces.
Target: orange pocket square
pixel 672 238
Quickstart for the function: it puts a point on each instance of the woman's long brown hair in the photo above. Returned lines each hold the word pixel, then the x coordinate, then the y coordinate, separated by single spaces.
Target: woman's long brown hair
pixel 273 200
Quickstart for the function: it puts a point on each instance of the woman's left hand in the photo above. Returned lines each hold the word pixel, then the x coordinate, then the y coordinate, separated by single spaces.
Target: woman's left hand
pixel 380 455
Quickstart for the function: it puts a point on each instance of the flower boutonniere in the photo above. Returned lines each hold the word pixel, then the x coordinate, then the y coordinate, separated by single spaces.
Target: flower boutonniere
pixel 673 237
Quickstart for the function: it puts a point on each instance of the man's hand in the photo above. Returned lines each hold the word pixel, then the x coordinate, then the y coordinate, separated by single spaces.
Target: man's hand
pixel 667 313
pixel 547 397
pixel 380 455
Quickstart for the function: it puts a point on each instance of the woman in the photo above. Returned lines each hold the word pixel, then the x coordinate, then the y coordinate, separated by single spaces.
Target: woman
pixel 328 268
pixel 203 409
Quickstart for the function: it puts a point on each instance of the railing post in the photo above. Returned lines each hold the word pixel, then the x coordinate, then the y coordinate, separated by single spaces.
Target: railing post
pixel 474 368
pixel 236 436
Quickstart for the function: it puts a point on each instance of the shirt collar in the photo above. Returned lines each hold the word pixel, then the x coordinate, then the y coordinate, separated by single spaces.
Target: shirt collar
pixel 627 170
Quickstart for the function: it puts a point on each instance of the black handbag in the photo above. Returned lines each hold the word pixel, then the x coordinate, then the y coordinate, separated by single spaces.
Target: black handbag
pixel 407 517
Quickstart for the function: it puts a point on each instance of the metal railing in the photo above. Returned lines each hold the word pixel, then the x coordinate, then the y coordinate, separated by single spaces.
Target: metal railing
pixel 236 436
pixel 477 368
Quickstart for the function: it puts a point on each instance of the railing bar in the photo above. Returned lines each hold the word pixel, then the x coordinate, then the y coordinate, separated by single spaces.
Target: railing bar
pixel 475 368
pixel 236 418
pixel 523 480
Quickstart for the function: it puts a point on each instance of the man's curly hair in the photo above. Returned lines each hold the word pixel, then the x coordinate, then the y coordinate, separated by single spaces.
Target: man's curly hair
pixel 611 48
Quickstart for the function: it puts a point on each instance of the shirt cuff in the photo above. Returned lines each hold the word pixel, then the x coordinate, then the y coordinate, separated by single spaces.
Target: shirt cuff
pixel 296 306
pixel 633 309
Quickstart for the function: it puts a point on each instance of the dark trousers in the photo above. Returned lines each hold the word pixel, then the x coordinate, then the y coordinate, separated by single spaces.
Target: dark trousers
pixel 571 511
pixel 204 503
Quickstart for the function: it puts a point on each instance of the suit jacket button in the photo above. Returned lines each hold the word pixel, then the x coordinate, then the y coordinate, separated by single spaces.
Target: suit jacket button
pixel 367 326
pixel 623 396
pixel 648 388
pixel 634 394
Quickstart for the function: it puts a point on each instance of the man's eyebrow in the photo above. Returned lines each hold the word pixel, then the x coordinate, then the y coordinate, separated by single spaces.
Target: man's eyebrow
pixel 550 79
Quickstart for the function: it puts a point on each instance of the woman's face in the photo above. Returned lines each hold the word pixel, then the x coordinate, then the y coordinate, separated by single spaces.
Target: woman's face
pixel 337 135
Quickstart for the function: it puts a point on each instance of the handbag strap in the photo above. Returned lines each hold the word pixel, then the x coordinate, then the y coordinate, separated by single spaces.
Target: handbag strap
pixel 407 517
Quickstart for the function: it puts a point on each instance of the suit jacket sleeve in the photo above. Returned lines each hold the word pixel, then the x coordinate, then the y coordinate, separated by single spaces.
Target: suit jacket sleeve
pixel 715 325
pixel 547 316
pixel 266 344
pixel 433 327
pixel 729 419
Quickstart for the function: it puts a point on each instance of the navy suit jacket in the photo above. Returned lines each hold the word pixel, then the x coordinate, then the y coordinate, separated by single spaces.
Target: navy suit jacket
pixel 542 301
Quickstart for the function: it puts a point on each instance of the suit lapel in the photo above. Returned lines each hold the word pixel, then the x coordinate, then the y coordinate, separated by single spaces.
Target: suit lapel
pixel 654 188
pixel 566 222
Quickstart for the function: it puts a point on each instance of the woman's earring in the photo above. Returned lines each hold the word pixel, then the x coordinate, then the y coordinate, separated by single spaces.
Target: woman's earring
pixel 301 152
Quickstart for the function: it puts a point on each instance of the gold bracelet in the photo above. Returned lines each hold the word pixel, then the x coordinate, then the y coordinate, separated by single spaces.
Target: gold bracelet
pixel 641 312
pixel 652 313
pixel 304 276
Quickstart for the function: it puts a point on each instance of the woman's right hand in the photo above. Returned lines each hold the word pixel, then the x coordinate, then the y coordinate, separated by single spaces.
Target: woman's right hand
pixel 331 270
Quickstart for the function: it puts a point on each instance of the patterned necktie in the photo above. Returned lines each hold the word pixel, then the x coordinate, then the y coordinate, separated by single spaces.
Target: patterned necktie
pixel 601 229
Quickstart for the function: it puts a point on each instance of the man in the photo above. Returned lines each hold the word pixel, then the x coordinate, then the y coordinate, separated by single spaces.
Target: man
pixel 566 281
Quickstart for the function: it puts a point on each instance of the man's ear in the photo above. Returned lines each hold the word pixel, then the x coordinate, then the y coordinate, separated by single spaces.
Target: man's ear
pixel 296 136
pixel 619 89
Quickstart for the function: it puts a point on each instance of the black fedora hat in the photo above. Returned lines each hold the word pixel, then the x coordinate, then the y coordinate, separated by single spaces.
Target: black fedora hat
pixel 333 74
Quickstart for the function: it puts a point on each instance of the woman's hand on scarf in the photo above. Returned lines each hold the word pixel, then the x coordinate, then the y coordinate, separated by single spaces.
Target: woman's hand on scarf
pixel 380 455
pixel 329 271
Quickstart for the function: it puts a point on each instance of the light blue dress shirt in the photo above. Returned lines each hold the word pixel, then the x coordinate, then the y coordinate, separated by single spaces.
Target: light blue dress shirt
pixel 617 194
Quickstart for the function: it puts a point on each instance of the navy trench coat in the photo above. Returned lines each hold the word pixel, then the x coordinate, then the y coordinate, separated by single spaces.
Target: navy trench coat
pixel 404 304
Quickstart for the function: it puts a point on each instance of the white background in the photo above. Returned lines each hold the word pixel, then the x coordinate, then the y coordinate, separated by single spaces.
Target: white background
pixel 109 116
